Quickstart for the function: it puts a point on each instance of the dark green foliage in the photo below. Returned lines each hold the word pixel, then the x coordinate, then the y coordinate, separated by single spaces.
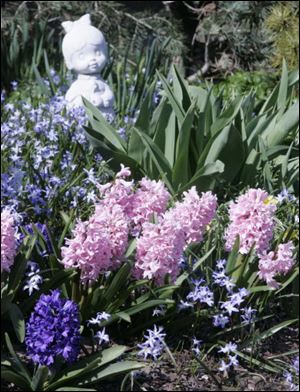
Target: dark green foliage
pixel 193 138
pixel 242 83
pixel 30 27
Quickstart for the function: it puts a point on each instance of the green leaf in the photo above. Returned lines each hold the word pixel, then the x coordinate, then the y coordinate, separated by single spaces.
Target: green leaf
pixel 16 274
pixel 48 71
pixel 146 305
pixel 261 364
pixel 39 378
pixel 124 316
pixel 287 123
pixel 44 88
pixel 157 157
pixel 119 280
pixel 136 148
pixel 114 157
pixel 205 177
pixel 68 221
pixel 180 87
pixel 283 87
pixel 18 380
pixel 284 166
pixel 87 365
pixel 200 95
pixel 288 281
pixel 18 322
pixel 182 169
pixel 111 370
pixel 227 147
pixel 270 332
pixel 101 126
pixel 17 363
pixel 170 133
pixel 143 120
pixel 227 116
pixel 233 255
pixel 131 248
pixel 181 278
pixel 258 289
pixel 172 98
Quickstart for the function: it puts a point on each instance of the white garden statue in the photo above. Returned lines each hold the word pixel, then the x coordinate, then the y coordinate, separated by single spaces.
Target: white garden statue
pixel 85 52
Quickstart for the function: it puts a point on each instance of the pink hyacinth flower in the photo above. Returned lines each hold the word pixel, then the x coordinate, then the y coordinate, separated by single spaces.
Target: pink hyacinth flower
pixel 252 218
pixel 124 172
pixel 149 200
pixel 275 263
pixel 8 242
pixel 97 245
pixel 194 213
pixel 159 250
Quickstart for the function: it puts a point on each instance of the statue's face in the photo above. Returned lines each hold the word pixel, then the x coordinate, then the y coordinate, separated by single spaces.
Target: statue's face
pixel 89 60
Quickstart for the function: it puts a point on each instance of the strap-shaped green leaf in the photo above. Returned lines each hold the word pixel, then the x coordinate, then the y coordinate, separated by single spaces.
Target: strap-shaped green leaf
pixel 111 370
pixel 115 157
pixel 182 169
pixel 227 116
pixel 119 280
pixel 144 117
pixel 227 147
pixel 172 98
pixel 101 126
pixel 157 158
pixel 86 366
pixel 17 320
pixel 205 177
pixel 15 378
pixel 180 88
pixel 20 367
pixel 233 255
pixel 283 87
pixel 287 123
pixel 39 378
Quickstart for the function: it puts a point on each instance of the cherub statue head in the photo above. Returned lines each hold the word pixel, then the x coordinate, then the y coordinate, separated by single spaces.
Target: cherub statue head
pixel 84 47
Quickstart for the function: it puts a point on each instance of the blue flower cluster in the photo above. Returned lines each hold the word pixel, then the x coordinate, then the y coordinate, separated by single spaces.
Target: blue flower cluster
pixel 232 361
pixel 53 330
pixel 292 375
pixel 154 343
pixel 202 294
pixel 34 279
pixel 43 150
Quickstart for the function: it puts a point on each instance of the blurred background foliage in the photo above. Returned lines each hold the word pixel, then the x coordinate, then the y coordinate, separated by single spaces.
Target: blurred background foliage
pixel 205 39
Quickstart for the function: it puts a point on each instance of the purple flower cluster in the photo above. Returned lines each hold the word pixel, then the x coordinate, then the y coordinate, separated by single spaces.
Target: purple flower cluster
pixel 285 196
pixel 52 331
pixel 292 375
pixel 196 346
pixel 229 350
pixel 201 293
pixel 37 145
pixel 154 343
